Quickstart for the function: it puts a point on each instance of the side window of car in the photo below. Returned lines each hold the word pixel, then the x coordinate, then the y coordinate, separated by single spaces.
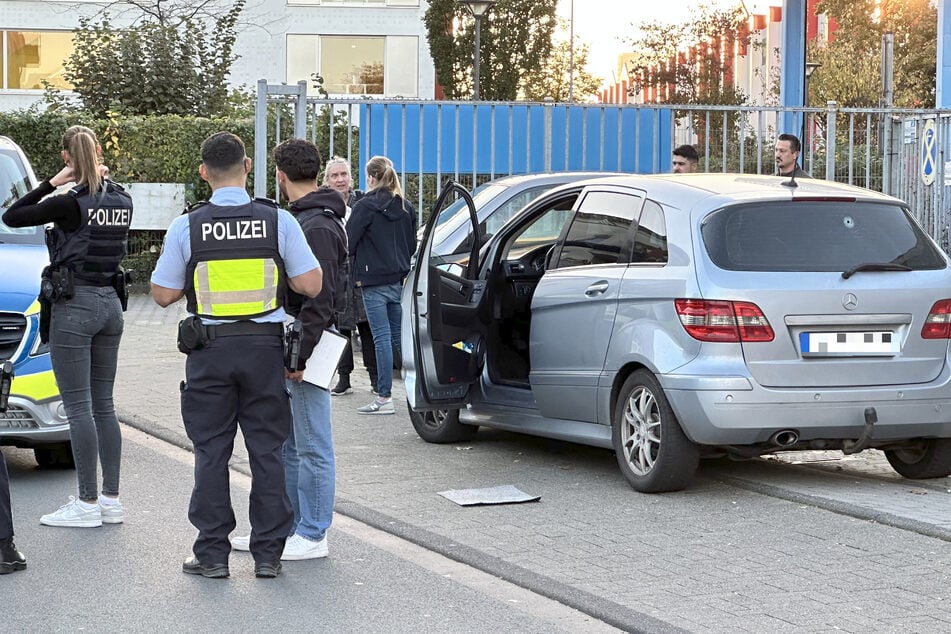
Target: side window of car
pixel 541 231
pixel 505 211
pixel 650 239
pixel 600 230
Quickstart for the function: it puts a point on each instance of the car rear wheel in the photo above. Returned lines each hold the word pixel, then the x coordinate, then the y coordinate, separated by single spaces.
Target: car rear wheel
pixel 927 458
pixel 652 450
pixel 441 426
pixel 56 456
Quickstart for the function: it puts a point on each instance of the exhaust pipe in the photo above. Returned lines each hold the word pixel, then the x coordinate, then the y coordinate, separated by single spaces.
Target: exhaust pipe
pixel 785 438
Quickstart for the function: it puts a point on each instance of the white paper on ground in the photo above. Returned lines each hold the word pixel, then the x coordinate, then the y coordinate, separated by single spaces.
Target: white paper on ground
pixel 505 494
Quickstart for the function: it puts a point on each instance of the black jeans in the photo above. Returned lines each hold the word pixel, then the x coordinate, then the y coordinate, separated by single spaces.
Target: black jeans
pixel 238 380
pixel 369 352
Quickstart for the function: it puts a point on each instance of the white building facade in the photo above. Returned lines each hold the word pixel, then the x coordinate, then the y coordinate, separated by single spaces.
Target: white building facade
pixel 372 48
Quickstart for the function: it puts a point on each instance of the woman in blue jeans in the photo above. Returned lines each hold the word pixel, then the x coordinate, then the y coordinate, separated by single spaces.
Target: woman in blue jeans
pixel 382 236
pixel 87 242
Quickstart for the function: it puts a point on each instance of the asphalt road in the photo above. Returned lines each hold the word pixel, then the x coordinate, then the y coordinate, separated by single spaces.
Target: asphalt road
pixel 802 542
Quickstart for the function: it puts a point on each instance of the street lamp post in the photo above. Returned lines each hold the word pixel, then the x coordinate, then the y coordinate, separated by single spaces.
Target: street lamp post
pixel 479 9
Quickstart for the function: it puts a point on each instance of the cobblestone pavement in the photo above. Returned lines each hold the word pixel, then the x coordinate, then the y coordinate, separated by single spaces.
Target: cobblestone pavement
pixel 810 541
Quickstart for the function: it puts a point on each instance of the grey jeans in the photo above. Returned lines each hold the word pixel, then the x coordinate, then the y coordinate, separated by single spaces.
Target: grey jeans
pixel 84 349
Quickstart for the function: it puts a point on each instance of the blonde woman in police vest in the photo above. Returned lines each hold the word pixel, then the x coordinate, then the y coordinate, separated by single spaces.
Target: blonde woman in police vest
pixel 82 284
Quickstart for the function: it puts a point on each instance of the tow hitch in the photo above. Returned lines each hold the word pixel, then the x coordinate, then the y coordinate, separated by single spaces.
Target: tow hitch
pixel 865 440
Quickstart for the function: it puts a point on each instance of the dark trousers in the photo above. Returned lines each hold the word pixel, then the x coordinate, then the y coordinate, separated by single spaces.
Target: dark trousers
pixel 6 514
pixel 238 380
pixel 369 352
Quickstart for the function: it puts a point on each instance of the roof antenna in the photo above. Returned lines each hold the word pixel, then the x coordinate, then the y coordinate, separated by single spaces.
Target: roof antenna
pixel 791 183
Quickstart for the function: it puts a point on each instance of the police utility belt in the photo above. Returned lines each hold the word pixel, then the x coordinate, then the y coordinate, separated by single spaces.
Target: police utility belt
pixel 194 335
pixel 59 283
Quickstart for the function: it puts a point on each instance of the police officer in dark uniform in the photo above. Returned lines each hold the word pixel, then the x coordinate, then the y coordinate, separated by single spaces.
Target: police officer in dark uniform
pixel 84 290
pixel 231 258
pixel 11 559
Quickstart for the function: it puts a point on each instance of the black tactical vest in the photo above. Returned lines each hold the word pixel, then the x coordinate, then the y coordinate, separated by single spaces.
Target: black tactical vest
pixel 219 234
pixel 94 250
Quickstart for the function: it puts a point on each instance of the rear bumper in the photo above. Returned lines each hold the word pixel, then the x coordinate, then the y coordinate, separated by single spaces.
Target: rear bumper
pixel 749 414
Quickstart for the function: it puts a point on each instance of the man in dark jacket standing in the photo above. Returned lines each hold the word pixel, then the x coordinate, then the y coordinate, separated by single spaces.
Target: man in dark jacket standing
pixel 309 453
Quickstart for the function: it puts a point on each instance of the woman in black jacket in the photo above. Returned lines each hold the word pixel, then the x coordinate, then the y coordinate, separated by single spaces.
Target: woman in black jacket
pixel 87 242
pixel 382 235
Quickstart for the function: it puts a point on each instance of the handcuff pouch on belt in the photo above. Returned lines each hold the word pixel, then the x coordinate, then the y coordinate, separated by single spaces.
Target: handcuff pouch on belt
pixel 192 334
pixel 57 283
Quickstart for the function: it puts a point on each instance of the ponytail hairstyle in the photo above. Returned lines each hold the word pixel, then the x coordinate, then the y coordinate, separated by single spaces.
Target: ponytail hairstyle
pixel 381 168
pixel 81 144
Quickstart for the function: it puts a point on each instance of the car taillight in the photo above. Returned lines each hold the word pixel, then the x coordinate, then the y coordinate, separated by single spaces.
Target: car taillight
pixel 938 323
pixel 723 321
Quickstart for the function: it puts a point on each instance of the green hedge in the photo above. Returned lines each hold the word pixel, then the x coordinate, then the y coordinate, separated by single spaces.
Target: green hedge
pixel 158 149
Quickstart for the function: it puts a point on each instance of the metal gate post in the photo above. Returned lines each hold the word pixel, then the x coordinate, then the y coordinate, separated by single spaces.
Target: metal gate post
pixel 831 108
pixel 300 111
pixel 260 141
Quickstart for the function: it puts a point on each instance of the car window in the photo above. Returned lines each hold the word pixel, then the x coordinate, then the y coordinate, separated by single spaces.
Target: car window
pixel 815 236
pixel 650 240
pixel 501 215
pixel 456 214
pixel 544 229
pixel 14 183
pixel 600 230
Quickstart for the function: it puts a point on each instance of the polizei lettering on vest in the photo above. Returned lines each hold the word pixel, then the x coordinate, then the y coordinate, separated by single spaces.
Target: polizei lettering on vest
pixel 234 230
pixel 109 217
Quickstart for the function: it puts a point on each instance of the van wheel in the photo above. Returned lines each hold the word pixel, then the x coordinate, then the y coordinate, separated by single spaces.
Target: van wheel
pixel 651 448
pixel 441 426
pixel 926 458
pixel 55 456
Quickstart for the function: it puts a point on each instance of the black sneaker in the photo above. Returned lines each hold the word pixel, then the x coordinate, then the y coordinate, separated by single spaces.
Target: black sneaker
pixel 342 387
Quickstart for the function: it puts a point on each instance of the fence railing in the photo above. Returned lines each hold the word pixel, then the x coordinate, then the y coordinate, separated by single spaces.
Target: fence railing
pixel 895 151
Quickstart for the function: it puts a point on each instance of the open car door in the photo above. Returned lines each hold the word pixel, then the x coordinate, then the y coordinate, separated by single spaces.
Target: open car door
pixel 443 338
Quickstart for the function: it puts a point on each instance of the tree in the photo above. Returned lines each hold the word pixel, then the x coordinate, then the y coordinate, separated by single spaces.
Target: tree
pixel 159 65
pixel 165 12
pixel 851 62
pixel 553 79
pixel 515 41
pixel 694 77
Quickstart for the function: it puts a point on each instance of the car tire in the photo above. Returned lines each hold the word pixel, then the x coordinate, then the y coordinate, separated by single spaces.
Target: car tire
pixel 441 426
pixel 56 456
pixel 927 458
pixel 652 450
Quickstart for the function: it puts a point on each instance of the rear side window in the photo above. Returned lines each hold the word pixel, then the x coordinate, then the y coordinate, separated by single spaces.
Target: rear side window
pixel 650 239
pixel 815 236
pixel 600 230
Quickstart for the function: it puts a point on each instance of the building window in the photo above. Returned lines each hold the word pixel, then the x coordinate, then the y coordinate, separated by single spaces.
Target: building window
pixel 355 65
pixel 29 57
pixel 357 3
pixel 352 65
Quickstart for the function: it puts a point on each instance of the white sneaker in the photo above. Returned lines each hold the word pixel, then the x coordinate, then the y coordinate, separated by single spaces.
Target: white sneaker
pixel 241 543
pixel 378 406
pixel 74 513
pixel 112 512
pixel 298 548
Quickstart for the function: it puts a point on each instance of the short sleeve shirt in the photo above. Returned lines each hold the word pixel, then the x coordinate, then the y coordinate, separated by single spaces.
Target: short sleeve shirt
pixel 292 245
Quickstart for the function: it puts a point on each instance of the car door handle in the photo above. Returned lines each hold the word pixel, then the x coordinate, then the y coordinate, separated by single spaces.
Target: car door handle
pixel 596 289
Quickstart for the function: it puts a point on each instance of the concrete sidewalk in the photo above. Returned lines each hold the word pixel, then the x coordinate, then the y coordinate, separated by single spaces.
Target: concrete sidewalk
pixel 757 546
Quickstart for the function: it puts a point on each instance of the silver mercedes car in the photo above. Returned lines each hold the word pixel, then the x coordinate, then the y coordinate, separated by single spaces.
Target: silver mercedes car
pixel 672 317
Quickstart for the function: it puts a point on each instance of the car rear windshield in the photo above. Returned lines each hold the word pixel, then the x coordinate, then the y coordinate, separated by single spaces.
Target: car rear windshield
pixel 816 236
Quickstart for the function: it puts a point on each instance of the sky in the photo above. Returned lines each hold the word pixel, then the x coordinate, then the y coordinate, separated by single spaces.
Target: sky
pixel 601 24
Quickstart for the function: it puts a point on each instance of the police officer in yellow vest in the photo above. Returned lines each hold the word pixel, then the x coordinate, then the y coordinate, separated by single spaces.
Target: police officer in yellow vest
pixel 231 258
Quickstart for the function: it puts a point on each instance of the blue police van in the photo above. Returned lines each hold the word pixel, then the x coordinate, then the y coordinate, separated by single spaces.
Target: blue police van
pixel 35 417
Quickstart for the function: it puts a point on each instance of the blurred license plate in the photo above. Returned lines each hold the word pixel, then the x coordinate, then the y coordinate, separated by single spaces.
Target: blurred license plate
pixel 848 344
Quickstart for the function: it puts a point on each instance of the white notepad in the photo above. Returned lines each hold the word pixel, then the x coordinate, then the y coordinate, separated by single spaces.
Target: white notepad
pixel 322 363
